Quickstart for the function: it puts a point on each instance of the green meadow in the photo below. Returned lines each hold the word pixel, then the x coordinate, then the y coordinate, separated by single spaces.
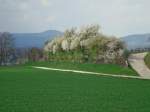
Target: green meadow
pixel 26 89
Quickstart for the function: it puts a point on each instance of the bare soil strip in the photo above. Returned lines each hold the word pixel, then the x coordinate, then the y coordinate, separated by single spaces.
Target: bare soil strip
pixel 138 64
pixel 86 72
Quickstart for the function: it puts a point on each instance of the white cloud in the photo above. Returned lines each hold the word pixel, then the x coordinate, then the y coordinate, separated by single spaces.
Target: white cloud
pixel 50 19
pixel 118 17
pixel 45 3
pixel 24 6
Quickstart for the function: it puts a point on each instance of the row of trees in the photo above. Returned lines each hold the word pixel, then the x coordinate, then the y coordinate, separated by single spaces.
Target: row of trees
pixel 85 45
pixel 24 55
pixel 11 55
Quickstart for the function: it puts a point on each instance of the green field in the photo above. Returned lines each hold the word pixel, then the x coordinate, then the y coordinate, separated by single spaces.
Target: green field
pixel 25 89
pixel 101 68
pixel 147 60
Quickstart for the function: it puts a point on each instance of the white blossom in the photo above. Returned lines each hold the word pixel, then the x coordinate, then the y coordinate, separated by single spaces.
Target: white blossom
pixel 65 45
pixel 75 43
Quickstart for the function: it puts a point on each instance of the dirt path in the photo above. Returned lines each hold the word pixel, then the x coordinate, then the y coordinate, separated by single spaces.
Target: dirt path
pixel 138 64
pixel 86 72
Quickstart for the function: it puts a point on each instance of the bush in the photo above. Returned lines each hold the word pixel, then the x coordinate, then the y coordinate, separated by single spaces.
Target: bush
pixel 86 45
pixel 147 60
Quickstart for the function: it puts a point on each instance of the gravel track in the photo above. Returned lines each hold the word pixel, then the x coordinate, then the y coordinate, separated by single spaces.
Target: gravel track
pixel 138 64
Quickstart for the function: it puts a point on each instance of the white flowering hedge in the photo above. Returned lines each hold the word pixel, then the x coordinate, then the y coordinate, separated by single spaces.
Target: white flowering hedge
pixel 85 45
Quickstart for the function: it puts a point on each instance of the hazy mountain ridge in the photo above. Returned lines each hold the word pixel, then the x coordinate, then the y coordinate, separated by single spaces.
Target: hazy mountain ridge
pixel 26 40
pixel 137 41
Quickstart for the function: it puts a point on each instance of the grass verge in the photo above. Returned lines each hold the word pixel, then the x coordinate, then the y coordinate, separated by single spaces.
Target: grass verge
pixel 101 68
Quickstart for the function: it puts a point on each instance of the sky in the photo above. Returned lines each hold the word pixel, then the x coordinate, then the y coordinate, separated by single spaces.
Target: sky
pixel 116 17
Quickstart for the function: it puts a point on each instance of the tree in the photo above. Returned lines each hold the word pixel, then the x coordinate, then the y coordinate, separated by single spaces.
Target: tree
pixel 6 48
pixel 35 54
pixel 90 31
pixel 88 44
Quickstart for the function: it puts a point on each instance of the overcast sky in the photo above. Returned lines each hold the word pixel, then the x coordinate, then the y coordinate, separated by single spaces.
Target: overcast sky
pixel 116 17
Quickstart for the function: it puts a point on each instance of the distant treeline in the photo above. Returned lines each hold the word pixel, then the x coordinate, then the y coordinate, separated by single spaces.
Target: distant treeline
pixel 86 44
pixel 138 50
pixel 9 55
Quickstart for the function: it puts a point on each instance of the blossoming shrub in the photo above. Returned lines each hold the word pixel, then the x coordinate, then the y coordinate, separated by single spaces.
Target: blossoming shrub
pixel 86 44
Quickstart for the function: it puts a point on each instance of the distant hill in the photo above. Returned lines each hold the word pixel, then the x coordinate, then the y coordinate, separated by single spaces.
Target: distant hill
pixel 26 40
pixel 137 41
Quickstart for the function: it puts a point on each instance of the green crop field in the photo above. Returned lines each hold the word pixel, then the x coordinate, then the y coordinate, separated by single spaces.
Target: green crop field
pixel 147 60
pixel 101 68
pixel 25 89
